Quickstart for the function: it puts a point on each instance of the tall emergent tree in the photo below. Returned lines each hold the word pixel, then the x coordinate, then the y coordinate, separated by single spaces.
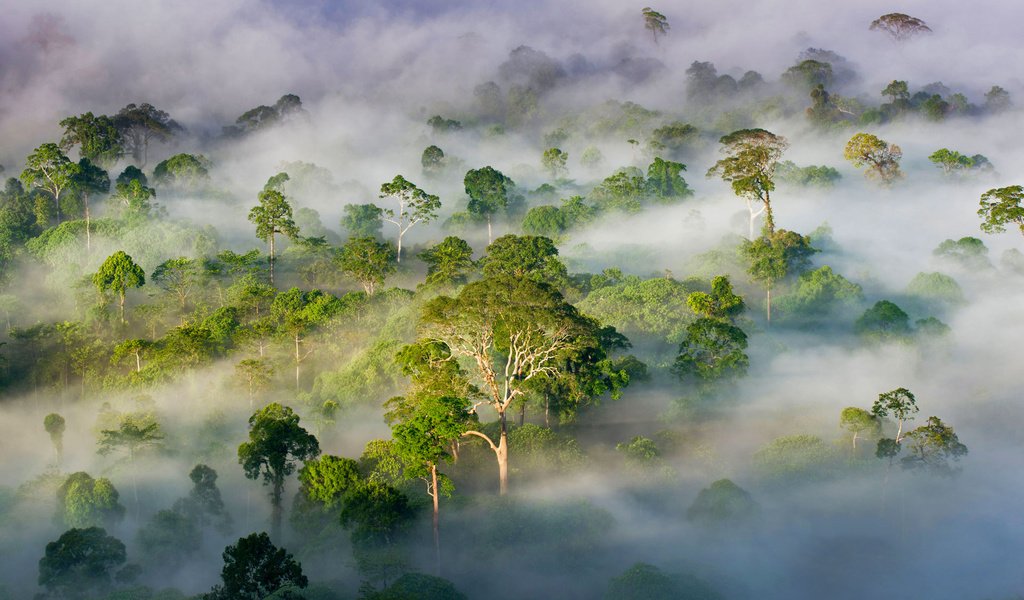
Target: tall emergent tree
pixel 50 170
pixel 297 312
pixel 881 158
pixel 771 258
pixel 97 138
pixel 273 215
pixel 54 425
pixel 422 441
pixel 414 206
pixel 490 192
pixel 367 261
pixel 655 22
pixel 131 435
pixel 900 403
pixel 513 330
pixel 899 26
pixel 1001 207
pixel 448 262
pixel 118 273
pixel 276 441
pixel 751 156
pixel 90 180
pixel 139 124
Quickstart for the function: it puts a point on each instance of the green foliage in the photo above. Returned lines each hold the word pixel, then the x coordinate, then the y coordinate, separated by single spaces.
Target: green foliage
pixel 170 538
pixel 861 424
pixel 80 563
pixel 554 160
pixel 722 503
pixel 881 158
pixel 933 447
pixel 490 193
pixel 639 450
pixel 326 479
pixel 676 138
pixel 644 581
pixel 540 450
pixel 139 124
pixel 968 252
pixel 204 504
pixel 368 261
pixel 86 502
pixel 795 457
pixel 183 171
pixel 751 156
pixel 623 191
pixel 432 161
pixel 414 206
pixel 818 293
pixel 254 568
pixel 713 350
pixel 362 220
pixel 272 215
pixel 655 22
pixel 721 303
pixel 524 256
pixel 417 586
pixel 883 322
pixel 808 74
pixel 651 307
pixel 810 176
pixel 936 287
pixel 664 182
pixel 97 138
pixel 48 169
pixel 1001 207
pixel 953 163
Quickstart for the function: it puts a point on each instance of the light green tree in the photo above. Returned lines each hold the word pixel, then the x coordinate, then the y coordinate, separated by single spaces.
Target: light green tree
pixel 881 158
pixel 272 216
pixel 117 274
pixel 414 206
pixel 749 165
pixel 50 170
pixel 54 425
pixel 1001 207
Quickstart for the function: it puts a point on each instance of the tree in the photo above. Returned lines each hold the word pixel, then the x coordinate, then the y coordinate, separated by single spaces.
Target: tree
pixel 132 435
pixel 48 169
pixel 952 162
pixel 183 171
pixel 722 303
pixel 378 514
pixel 118 273
pixel 80 563
pixel 722 503
pixel 414 206
pixel 644 581
pixel 204 504
pixel 860 423
pixel 254 568
pixel 367 261
pixel 97 138
pixel 997 100
pixel 170 538
pixel 818 292
pixel 899 26
pixel 276 441
pixel 449 262
pixel 554 160
pixel 131 348
pixel 899 403
pixel 1000 207
pixel 524 256
pixel 713 350
pixel 490 192
pixel 297 312
pixel 133 198
pixel 751 158
pixel 433 161
pixel 664 181
pixel 255 374
pixel 273 215
pixel 179 276
pixel 933 447
pixel 772 258
pixel 512 330
pixel 881 158
pixel 883 321
pixel 139 124
pixel 362 220
pixel 898 93
pixel 86 502
pixel 54 425
pixel 655 22
pixel 90 180
pixel 422 440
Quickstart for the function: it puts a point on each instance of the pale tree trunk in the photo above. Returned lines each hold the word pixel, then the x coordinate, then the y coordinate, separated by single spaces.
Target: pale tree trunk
pixel 298 360
pixel 769 304
pixel 436 520
pixel 754 214
pixel 398 257
pixel 88 234
pixel 547 411
pixel 121 306
pixel 488 230
pixel 502 454
pixel 138 363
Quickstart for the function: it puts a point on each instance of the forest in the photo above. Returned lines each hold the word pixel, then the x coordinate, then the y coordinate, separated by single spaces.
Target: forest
pixel 443 300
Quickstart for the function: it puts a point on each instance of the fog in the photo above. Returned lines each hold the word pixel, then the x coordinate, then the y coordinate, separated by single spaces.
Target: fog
pixel 370 75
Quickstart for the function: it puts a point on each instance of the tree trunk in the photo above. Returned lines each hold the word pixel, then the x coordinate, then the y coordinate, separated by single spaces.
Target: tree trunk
pixel 769 304
pixel 121 306
pixel 398 257
pixel 502 454
pixel 436 521
pixel 276 510
pixel 88 235
pixel 56 201
pixel 271 259
pixel 547 410
pixel 488 230
pixel 138 362
pixel 298 359
pixel 769 220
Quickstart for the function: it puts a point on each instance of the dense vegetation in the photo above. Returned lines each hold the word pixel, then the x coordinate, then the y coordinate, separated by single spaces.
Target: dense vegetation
pixel 568 346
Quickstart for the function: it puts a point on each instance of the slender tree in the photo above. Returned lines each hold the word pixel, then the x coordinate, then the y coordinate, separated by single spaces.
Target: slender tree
pixel 751 156
pixel 90 180
pixel 54 425
pixel 272 216
pixel 414 206
pixel 132 435
pixel 276 442
pixel 490 193
pixel 655 22
pixel 50 170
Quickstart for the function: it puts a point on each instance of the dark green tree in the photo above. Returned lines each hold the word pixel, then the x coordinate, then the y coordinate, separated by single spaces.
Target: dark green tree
pixel 490 193
pixel 117 274
pixel 713 350
pixel 524 256
pixel 254 568
pixel 368 261
pixel 721 303
pixel 276 441
pixel 664 181
pixel 54 425
pixel 80 563
pixel 773 257
pixel 132 435
pixel 933 447
pixel 90 180
pixel 449 262
pixel 722 503
pixel 182 171
pixel 140 124
pixel 272 216
pixel 97 138
pixel 883 321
